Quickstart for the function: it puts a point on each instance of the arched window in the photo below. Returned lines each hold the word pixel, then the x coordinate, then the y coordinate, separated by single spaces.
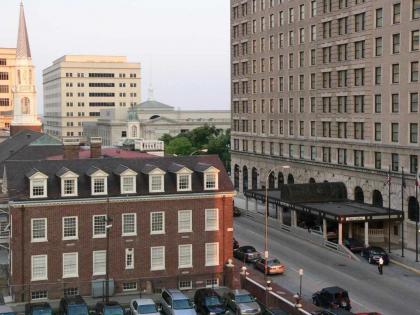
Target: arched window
pixel 312 180
pixel 236 177
pixel 245 178
pixel 134 132
pixel 271 180
pixel 280 179
pixel 413 209
pixel 290 179
pixel 377 199
pixel 358 195
pixel 254 178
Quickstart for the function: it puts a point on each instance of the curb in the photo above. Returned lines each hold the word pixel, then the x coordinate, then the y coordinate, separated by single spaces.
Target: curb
pixel 416 271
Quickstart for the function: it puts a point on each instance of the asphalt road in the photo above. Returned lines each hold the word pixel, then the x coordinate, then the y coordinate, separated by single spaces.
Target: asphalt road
pixel 396 292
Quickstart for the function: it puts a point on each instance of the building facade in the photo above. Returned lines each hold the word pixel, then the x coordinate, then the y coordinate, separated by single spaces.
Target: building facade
pixel 156 222
pixel 76 88
pixel 7 82
pixel 329 89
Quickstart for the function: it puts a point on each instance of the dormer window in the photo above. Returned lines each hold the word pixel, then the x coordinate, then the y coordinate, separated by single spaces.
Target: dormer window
pixel 128 177
pixel 68 182
pixel 37 184
pixel 99 181
pixel 156 183
pixel 211 181
pixel 184 182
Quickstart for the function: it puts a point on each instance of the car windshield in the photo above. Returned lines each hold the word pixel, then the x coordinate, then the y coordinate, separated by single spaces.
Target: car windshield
pixel 273 262
pixel 182 304
pixel 41 311
pixel 80 309
pixel 378 251
pixel 147 309
pixel 244 298
pixel 113 310
pixel 213 300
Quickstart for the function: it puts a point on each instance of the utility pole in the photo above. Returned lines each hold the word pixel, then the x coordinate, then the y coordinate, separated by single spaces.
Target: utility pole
pixel 402 209
pixel 389 208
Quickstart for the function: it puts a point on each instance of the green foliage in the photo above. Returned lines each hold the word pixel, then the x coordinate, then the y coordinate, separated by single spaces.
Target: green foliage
pixel 179 146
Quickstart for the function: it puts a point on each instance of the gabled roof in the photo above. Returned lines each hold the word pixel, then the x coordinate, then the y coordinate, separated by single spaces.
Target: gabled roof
pixel 34 172
pixel 65 171
pixel 179 168
pixel 95 171
pixel 149 168
pixel 203 167
pixel 122 170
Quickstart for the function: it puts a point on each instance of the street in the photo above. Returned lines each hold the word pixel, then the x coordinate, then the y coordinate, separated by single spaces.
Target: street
pixel 396 292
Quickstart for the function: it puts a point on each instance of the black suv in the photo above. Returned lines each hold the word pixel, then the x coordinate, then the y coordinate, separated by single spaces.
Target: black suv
pixel 73 305
pixel 374 253
pixel 110 308
pixel 246 253
pixel 332 297
pixel 38 309
pixel 207 302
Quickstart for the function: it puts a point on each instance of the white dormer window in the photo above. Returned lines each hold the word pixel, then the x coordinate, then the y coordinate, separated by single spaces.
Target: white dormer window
pixel 69 184
pixel 156 183
pixel 211 181
pixel 184 182
pixel 38 185
pixel 128 184
pixel 99 186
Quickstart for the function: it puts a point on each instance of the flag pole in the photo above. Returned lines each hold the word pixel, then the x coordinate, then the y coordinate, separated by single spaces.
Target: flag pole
pixel 402 209
pixel 389 209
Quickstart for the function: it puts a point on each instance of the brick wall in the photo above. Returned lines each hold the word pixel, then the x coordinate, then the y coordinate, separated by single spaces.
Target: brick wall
pixel 22 248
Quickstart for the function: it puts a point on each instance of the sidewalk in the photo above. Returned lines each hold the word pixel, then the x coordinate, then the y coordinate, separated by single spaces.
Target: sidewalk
pixel 408 261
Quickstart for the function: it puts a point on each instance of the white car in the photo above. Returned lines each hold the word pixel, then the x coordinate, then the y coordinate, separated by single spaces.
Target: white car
pixel 143 306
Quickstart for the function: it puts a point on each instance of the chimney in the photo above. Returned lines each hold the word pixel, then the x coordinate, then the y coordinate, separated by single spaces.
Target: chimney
pixel 71 148
pixel 95 147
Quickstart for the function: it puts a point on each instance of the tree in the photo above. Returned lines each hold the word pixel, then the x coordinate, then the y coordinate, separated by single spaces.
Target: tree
pixel 221 147
pixel 166 138
pixel 179 146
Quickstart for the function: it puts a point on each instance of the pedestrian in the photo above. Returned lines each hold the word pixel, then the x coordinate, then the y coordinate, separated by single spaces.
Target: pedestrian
pixel 380 265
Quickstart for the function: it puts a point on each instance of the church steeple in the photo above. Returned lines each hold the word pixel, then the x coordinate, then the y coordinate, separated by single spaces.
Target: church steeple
pixel 23 51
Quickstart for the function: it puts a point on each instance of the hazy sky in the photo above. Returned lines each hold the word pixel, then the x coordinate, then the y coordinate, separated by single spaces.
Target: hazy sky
pixel 183 45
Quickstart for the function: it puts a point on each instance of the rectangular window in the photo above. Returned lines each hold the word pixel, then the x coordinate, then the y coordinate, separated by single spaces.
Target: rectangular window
pixel 395 103
pixel 69 187
pixel 326 154
pixel 414 133
pixel 185 256
pixel 212 254
pixel 157 258
pixel 156 183
pixel 39 188
pixel 39 295
pixel 39 267
pixel 342 156
pixel 184 182
pixel 359 49
pixel 378 103
pixel 359 160
pixel 414 102
pixel 396 13
pixel 413 164
pixel 396 43
pixel 70 228
pixel 378 132
pixel 212 219
pixel 394 132
pixel 415 40
pixel 395 161
pixel 395 73
pixel 157 223
pixel 379 22
pixel 414 71
pixel 184 221
pixel 378 75
pixel 99 262
pixel 378 46
pixel 99 226
pixel 70 265
pixel 359 22
pixel 378 160
pixel 129 286
pixel 359 104
pixel 128 185
pixel 342 104
pixel 416 9
pixel 99 186
pixel 313 153
pixel 129 258
pixel 39 230
pixel 129 224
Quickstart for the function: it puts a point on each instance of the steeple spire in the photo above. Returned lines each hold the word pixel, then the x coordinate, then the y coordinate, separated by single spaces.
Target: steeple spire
pixel 23 50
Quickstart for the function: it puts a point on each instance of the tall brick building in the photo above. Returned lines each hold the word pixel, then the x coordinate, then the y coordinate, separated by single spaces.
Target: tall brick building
pixel 171 224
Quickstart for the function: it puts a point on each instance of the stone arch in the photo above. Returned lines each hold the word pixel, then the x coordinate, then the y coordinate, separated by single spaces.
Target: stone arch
pixel 312 180
pixel 413 209
pixel 271 181
pixel 245 178
pixel 280 179
pixel 290 179
pixel 359 195
pixel 236 177
pixel 377 199
pixel 254 178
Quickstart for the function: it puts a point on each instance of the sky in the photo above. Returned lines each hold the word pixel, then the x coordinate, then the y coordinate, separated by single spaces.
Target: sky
pixel 182 45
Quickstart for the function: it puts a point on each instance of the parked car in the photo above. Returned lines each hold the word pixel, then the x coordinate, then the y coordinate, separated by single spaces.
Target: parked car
pixel 6 310
pixel 354 245
pixel 235 244
pixel 236 212
pixel 241 302
pixel 110 308
pixel 73 305
pixel 332 297
pixel 143 306
pixel 174 302
pixel 207 302
pixel 246 253
pixel 273 266
pixel 374 253
pixel 42 308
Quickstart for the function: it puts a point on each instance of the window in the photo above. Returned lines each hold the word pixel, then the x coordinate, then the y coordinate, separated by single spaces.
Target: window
pixel 378 46
pixel 378 103
pixel 396 43
pixel 184 221
pixel 358 130
pixel 378 160
pixel 212 283
pixel 99 262
pixel 128 184
pixel 414 71
pixel 414 133
pixel 157 258
pixel 129 224
pixel 70 228
pixel 415 40
pixel 157 223
pixel 38 188
pixel 378 131
pixel 39 295
pixel 184 182
pixel 71 291
pixel 313 57
pixel 379 22
pixel 212 254
pixel 69 187
pixel 212 220
pixel 129 286
pixel 342 52
pixel 185 256
pixel 39 230
pixel 342 130
pixel 313 153
pixel 342 104
pixel 413 164
pixel 326 154
pixel 394 132
pixel 395 161
pixel 70 265
pixel 359 77
pixel 156 183
pixel 99 186
pixel 378 75
pixel 359 158
pixel 129 258
pixel 313 8
pixel 211 181
pixel 185 285
pixel 396 17
pixel 342 156
pixel 99 226
pixel 342 26
pixel 359 49
pixel 359 22
pixel 395 73
pixel 359 103
pixel 395 103
pixel 416 9
pixel 39 267
pixel 414 102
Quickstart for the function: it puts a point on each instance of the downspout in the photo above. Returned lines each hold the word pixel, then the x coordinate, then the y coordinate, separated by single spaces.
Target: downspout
pixel 22 256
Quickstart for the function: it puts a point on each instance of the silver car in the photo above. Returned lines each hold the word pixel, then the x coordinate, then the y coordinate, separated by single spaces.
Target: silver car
pixel 242 302
pixel 143 306
pixel 174 302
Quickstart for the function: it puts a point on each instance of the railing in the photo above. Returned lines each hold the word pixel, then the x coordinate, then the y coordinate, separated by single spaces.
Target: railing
pixel 149 145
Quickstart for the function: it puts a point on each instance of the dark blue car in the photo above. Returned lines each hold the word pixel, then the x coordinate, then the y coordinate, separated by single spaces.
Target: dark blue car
pixel 207 302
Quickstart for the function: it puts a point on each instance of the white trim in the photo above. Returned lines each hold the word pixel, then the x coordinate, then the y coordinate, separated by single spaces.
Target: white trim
pixel 92 184
pixel 76 273
pixel 93 226
pixel 135 224
pixel 216 174
pixel 134 190
pixel 212 263
pixel 39 240
pixel 66 238
pixel 189 247
pixel 163 223
pixel 178 182
pixel 45 257
pixel 162 183
pixel 45 187
pixel 75 183
pixel 206 224
pixel 160 267
pixel 190 223
pixel 129 251
pixel 94 272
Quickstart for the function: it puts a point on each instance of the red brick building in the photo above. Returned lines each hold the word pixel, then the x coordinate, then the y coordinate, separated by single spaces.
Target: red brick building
pixel 169 224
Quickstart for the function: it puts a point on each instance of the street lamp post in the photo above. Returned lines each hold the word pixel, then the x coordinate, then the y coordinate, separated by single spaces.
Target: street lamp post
pixel 107 227
pixel 300 281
